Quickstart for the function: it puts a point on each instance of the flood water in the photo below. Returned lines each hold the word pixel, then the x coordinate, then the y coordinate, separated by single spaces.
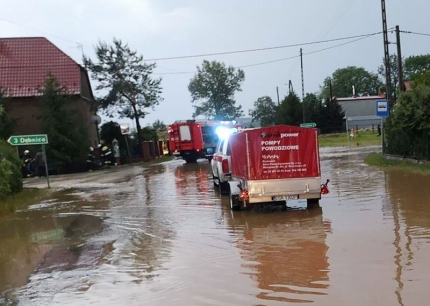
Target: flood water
pixel 163 236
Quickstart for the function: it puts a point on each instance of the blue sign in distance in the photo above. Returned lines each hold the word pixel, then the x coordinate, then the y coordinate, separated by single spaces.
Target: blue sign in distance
pixel 382 108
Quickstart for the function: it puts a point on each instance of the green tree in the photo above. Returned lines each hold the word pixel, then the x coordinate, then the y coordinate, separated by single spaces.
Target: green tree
pixel 421 78
pixel 159 126
pixel 342 81
pixel 290 111
pixel 6 124
pixel 111 130
pixel 408 126
pixel 416 64
pixel 312 105
pixel 149 134
pixel 68 141
pixel 264 111
pixel 394 67
pixel 127 81
pixel 330 117
pixel 213 88
pixel 10 170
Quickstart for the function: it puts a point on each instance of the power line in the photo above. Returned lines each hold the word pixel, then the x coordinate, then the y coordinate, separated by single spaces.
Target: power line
pixel 283 59
pixel 415 33
pixel 47 33
pixel 260 49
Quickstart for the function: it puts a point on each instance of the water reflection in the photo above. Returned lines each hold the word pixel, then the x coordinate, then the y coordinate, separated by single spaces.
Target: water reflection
pixel 192 180
pixel 410 211
pixel 285 253
pixel 40 239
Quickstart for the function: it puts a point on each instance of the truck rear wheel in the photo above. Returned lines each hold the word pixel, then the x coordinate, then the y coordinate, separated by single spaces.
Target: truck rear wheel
pixel 235 203
pixel 313 203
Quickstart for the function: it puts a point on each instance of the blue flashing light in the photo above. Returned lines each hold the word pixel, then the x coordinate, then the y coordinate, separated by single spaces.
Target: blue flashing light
pixel 224 132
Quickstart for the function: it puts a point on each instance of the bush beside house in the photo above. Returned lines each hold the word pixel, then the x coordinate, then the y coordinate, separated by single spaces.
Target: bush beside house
pixel 10 170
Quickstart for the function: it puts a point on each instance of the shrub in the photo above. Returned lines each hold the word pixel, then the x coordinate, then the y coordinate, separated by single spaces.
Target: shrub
pixel 10 170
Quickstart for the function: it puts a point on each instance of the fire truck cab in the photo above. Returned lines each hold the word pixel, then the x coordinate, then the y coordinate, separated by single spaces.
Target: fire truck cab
pixel 193 139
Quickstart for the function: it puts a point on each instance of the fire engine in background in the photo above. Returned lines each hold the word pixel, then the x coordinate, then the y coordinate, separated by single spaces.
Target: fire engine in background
pixel 193 139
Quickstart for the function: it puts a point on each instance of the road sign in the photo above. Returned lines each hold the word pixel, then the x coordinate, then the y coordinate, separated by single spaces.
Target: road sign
pixel 125 129
pixel 382 108
pixel 308 125
pixel 28 140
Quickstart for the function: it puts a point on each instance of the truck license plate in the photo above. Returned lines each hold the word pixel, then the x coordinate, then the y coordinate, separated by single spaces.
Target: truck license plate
pixel 285 198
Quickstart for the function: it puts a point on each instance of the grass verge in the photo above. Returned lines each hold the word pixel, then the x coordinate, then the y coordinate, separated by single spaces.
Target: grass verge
pixel 341 140
pixel 377 160
pixel 23 199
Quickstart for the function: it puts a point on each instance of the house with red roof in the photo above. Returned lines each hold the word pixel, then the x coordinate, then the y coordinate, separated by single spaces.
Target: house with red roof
pixel 24 65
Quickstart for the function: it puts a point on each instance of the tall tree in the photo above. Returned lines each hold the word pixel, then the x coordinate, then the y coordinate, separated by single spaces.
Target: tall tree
pixel 416 64
pixel 213 88
pixel 330 117
pixel 312 104
pixel 124 77
pixel 290 111
pixel 264 111
pixel 394 65
pixel 67 140
pixel 342 81
pixel 7 125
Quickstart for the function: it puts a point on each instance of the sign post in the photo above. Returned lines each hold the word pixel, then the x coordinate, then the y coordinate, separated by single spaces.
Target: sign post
pixel 383 111
pixel 32 140
pixel 347 128
pixel 125 130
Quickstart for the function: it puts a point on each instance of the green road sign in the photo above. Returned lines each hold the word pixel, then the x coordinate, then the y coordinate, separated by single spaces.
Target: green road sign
pixel 308 125
pixel 28 140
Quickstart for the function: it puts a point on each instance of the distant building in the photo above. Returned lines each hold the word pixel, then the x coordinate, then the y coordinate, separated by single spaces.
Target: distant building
pixel 24 65
pixel 361 111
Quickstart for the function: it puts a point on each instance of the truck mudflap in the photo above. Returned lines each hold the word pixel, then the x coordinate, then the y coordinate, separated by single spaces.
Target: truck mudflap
pixel 238 196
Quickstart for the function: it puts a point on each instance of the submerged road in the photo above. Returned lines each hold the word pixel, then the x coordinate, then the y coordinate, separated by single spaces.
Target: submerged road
pixel 164 236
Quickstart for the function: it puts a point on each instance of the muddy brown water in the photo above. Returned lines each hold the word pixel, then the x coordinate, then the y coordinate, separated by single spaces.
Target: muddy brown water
pixel 163 236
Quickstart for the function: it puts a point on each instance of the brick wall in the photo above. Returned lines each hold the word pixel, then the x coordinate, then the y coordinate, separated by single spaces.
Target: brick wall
pixel 27 110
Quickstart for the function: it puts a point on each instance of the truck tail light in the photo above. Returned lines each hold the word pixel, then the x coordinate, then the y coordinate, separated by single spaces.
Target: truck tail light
pixel 225 166
pixel 244 196
pixel 324 188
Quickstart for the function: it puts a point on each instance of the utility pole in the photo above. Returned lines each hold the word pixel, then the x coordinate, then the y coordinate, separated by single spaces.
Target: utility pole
pixel 387 68
pixel 277 93
pixel 386 53
pixel 303 86
pixel 399 60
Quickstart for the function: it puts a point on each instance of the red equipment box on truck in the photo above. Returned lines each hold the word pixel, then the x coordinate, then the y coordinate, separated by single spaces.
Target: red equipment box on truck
pixel 275 152
pixel 275 164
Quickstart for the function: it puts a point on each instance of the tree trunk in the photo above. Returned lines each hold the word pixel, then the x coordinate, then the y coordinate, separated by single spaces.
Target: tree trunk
pixel 139 136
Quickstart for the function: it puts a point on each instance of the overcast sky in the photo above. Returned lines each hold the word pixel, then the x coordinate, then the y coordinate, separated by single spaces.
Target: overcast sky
pixel 166 28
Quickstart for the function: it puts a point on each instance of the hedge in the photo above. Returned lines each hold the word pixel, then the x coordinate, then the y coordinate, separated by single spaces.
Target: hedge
pixel 10 170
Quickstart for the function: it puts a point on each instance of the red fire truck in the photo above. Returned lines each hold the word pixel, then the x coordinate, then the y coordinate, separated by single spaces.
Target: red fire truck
pixel 193 139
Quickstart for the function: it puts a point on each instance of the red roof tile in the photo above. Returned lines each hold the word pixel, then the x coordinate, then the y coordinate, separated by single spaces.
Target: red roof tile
pixel 25 62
